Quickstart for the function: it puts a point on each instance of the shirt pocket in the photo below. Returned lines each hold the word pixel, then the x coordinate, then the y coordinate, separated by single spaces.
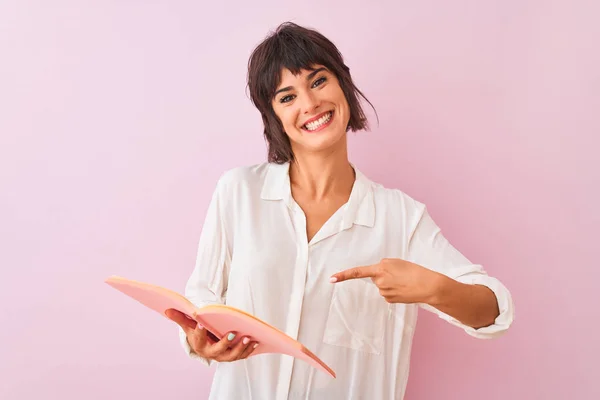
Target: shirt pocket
pixel 358 316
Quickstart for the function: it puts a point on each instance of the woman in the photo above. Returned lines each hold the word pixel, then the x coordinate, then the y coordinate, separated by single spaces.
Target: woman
pixel 309 244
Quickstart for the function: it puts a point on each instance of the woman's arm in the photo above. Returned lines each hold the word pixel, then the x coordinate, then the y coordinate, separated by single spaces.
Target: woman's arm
pixel 465 294
pixel 473 305
pixel 208 281
pixel 442 280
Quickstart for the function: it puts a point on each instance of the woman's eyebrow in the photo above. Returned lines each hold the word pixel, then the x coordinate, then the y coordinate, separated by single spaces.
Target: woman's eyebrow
pixel 285 89
pixel 316 71
pixel 308 77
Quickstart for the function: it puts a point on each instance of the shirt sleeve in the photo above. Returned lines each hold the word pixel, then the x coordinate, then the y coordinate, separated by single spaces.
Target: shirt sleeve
pixel 208 281
pixel 429 248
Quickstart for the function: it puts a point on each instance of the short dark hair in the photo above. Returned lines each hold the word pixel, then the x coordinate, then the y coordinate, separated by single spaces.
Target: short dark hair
pixel 295 48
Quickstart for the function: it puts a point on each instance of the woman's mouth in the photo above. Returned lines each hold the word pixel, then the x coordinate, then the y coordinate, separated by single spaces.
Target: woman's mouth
pixel 319 124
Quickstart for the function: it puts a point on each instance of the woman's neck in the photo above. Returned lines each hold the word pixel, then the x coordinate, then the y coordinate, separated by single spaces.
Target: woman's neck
pixel 319 176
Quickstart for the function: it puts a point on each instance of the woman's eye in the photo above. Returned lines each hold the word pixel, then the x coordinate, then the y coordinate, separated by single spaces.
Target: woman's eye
pixel 319 82
pixel 286 99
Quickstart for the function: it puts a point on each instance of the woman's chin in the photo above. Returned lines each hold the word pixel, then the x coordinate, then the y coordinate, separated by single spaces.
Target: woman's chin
pixel 321 142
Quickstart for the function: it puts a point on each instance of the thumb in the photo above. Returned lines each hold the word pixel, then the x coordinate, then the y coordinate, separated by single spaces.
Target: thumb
pixel 181 319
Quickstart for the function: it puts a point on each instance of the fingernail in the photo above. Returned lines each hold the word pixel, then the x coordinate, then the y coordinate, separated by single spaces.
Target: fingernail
pixel 246 340
pixel 256 345
pixel 199 327
pixel 231 336
pixel 333 279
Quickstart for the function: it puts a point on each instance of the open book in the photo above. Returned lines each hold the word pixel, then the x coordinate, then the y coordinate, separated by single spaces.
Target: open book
pixel 219 319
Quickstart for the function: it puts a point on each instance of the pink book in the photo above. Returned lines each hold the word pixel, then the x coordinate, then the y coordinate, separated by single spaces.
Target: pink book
pixel 220 319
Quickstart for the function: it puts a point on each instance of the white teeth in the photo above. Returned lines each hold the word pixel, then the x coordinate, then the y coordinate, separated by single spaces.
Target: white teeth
pixel 311 126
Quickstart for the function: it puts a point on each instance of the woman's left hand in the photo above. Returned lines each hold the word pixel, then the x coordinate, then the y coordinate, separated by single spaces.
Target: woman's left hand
pixel 399 281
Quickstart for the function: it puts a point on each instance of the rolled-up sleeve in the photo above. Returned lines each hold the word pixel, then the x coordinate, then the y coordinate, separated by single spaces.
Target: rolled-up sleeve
pixel 429 248
pixel 208 281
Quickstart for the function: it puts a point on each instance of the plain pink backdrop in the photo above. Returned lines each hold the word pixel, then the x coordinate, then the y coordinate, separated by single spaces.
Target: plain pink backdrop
pixel 117 117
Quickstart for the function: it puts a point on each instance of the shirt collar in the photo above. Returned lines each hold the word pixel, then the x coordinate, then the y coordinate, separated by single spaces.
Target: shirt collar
pixel 360 208
pixel 277 183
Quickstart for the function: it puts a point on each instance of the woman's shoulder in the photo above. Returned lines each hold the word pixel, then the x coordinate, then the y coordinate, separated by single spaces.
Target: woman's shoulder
pixel 395 198
pixel 247 176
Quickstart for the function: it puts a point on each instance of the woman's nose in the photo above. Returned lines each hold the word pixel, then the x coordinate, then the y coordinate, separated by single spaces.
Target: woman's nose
pixel 309 103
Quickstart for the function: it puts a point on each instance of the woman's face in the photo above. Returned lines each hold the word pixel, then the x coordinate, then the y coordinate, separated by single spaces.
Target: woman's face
pixel 313 110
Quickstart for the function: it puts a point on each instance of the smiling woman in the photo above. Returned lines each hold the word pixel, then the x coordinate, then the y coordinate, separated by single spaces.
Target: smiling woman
pixel 309 244
pixel 296 77
pixel 307 106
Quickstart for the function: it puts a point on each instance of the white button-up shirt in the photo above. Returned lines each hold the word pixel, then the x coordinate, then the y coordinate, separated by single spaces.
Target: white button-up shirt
pixel 254 254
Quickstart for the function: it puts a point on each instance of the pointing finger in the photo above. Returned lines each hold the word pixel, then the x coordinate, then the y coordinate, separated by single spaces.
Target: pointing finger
pixel 369 271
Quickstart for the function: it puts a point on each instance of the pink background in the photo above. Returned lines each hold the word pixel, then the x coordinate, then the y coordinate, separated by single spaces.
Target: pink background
pixel 117 117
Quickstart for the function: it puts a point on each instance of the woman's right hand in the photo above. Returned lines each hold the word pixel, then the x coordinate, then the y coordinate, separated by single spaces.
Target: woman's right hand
pixel 202 345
